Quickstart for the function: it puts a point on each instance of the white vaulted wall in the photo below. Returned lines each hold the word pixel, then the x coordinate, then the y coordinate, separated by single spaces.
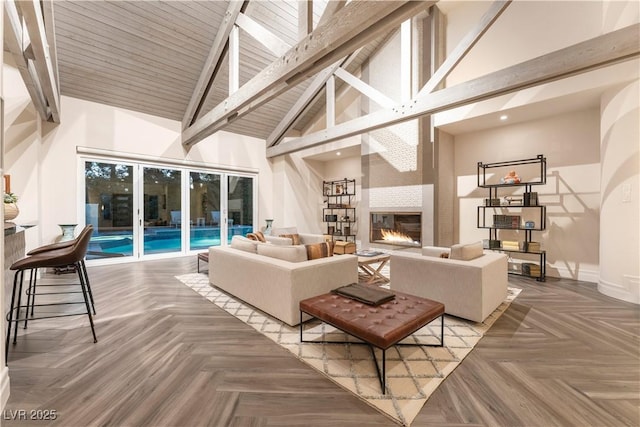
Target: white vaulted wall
pixel 620 193
pixel 571 145
pixel 518 35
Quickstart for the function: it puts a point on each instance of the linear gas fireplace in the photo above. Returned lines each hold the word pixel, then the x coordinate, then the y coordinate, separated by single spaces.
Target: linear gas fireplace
pixel 396 228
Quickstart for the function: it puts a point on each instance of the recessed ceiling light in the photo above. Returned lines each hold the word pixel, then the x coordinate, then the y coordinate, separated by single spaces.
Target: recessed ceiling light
pixel 338 153
pixel 504 117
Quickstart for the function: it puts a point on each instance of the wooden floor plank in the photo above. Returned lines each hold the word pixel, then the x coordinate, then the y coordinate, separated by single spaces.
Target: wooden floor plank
pixel 562 354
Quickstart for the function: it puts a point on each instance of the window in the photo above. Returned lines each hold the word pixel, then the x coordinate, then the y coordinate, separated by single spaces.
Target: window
pixel 142 210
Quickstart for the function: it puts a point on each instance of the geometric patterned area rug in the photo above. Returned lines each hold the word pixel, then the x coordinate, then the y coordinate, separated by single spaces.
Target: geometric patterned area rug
pixel 413 372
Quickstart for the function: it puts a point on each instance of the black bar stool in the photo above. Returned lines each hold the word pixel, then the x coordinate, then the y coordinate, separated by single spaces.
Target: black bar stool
pixel 61 257
pixel 31 291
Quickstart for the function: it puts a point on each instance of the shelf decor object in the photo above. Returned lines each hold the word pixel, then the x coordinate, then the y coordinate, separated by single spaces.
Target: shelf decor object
pixel 519 215
pixel 11 210
pixel 338 213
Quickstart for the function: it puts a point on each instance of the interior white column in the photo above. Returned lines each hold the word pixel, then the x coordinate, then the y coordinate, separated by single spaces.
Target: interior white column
pixel 619 193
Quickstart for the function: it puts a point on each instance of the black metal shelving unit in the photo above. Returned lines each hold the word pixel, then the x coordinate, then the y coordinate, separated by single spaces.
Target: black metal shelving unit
pixel 504 217
pixel 338 213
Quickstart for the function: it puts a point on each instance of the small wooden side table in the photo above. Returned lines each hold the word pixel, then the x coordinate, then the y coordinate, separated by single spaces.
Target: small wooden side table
pixel 370 274
pixel 204 256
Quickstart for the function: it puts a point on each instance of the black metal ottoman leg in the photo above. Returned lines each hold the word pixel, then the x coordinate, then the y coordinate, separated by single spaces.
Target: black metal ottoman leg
pixel 384 371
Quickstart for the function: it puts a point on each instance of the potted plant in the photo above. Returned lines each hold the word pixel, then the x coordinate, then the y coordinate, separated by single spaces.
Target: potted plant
pixel 11 210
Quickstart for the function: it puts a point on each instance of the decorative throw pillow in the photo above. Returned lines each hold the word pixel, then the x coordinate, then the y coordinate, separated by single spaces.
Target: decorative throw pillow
pixel 444 255
pixel 319 250
pixel 257 236
pixel 295 238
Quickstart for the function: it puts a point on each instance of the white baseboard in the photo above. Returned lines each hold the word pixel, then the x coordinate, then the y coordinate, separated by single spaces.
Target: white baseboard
pixel 565 273
pixel 628 291
pixel 4 387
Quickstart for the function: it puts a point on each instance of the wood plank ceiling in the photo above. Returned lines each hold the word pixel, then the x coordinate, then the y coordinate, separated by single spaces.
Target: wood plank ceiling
pixel 147 56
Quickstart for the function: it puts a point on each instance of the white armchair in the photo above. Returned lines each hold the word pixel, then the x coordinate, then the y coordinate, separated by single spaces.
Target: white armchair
pixel 471 286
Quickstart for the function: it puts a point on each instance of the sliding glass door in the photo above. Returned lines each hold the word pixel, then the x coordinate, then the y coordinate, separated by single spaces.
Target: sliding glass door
pixel 205 209
pixel 156 211
pixel 109 207
pixel 162 211
pixel 240 206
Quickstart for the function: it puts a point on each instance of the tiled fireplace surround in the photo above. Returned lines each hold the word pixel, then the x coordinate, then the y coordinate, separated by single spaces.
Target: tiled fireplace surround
pixel 395 183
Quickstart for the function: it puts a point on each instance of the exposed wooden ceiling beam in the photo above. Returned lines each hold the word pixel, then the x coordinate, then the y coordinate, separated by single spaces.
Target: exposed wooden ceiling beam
pixel 50 30
pixel 212 64
pixel 607 49
pixel 34 23
pixel 318 83
pixel 234 59
pixel 13 38
pixel 307 97
pixel 465 45
pixel 332 7
pixel 353 26
pixel 305 18
pixel 330 103
pixel 265 37
pixel 364 88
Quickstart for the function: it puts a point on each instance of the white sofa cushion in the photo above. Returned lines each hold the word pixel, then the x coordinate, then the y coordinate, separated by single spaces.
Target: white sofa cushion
pixel 435 251
pixel 309 239
pixel 284 230
pixel 305 238
pixel 283 241
pixel 466 252
pixel 244 244
pixel 286 253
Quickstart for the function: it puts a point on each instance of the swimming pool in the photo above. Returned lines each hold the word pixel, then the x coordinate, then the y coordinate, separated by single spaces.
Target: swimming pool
pixel 108 244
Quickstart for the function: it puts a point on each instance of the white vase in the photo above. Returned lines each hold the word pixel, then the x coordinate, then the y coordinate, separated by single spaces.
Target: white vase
pixel 267 229
pixel 11 211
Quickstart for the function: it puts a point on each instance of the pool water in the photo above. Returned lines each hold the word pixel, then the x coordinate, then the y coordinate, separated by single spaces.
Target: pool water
pixel 158 240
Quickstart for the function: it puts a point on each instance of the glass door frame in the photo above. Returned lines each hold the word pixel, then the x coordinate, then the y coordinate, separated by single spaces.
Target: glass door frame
pixel 140 191
pixel 81 205
pixel 138 199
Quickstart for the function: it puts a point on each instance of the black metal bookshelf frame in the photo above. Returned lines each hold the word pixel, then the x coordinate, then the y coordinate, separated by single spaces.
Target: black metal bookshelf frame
pixel 481 215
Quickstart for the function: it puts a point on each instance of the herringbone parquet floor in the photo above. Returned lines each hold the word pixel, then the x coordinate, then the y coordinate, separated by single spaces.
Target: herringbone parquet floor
pixel 561 355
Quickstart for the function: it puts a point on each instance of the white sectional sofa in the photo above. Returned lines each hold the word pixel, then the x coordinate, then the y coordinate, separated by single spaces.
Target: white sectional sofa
pixel 471 283
pixel 273 285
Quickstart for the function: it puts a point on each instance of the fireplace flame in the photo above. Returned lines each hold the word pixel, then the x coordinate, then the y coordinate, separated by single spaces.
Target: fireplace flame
pixel 395 236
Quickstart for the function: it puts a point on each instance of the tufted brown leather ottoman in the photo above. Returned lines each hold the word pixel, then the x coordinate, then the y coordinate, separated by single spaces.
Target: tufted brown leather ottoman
pixel 381 326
